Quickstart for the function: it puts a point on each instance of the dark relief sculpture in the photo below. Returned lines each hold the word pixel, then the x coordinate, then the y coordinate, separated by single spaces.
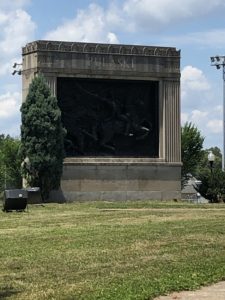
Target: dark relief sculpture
pixel 116 118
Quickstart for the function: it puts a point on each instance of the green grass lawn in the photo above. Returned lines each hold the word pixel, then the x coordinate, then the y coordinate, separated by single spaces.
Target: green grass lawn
pixel 100 250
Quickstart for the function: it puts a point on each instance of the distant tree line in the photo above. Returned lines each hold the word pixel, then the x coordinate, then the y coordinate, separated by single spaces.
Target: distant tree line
pixel 10 163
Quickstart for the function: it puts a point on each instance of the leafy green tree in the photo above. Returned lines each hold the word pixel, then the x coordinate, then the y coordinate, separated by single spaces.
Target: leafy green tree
pixel 191 150
pixel 195 162
pixel 10 163
pixel 204 163
pixel 42 138
pixel 212 180
pixel 212 184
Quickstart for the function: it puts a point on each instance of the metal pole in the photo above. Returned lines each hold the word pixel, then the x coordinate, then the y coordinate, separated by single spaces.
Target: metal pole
pixel 223 156
pixel 218 62
pixel 5 180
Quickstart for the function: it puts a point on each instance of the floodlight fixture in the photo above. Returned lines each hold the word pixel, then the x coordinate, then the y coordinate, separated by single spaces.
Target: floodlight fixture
pixel 217 58
pixel 17 70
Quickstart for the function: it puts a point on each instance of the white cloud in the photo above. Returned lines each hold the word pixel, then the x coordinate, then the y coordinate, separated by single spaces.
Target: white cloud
pixel 3 18
pixel 198 104
pixel 209 122
pixel 95 23
pixel 112 38
pixel 184 118
pixel 9 104
pixel 6 67
pixel 215 126
pixel 193 79
pixel 18 28
pixel 218 109
pixel 114 17
pixel 195 88
pixel 13 4
pixel 88 26
pixel 198 116
pixel 157 13
pixel 207 39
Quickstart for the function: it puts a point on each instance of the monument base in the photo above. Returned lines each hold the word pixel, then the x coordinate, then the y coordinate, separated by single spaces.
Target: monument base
pixel 117 179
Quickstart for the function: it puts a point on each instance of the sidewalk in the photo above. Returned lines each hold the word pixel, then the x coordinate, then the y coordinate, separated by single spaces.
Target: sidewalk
pixel 212 292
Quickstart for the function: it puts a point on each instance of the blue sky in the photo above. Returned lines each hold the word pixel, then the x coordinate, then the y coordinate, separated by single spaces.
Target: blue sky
pixel 197 27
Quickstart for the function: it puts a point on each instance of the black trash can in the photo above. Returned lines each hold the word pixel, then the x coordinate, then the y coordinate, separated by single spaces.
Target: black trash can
pixel 34 195
pixel 15 199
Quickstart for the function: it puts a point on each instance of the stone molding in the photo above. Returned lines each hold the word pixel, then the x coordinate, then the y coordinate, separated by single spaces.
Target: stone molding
pixel 98 48
pixel 118 161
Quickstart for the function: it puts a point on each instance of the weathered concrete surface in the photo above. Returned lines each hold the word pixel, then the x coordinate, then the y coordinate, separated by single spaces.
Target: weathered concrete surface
pixel 110 181
pixel 213 292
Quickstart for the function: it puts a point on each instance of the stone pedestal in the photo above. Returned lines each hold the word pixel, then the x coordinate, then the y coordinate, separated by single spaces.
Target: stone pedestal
pixel 120 179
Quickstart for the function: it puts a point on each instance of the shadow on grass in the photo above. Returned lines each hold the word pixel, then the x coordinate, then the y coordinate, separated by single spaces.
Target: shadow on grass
pixel 7 292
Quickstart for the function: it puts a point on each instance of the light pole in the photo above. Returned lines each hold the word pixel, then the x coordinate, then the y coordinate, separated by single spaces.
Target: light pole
pixel 211 159
pixel 218 62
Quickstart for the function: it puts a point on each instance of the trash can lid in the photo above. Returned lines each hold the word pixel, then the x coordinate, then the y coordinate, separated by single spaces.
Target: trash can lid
pixel 16 193
pixel 33 189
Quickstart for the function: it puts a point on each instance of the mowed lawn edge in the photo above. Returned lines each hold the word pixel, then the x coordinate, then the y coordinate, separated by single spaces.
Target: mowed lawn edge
pixel 110 250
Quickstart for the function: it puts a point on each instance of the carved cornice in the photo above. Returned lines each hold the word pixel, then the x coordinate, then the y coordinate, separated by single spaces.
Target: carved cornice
pixel 97 48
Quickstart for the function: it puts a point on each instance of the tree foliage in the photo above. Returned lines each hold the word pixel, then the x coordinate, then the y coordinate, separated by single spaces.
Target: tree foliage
pixel 42 138
pixel 191 150
pixel 212 184
pixel 212 180
pixel 10 163
pixel 204 163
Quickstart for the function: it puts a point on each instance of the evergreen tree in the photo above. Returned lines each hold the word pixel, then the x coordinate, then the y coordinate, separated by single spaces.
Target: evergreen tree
pixel 42 138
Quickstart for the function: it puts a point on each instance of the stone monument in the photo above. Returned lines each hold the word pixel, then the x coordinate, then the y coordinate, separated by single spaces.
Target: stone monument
pixel 120 106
